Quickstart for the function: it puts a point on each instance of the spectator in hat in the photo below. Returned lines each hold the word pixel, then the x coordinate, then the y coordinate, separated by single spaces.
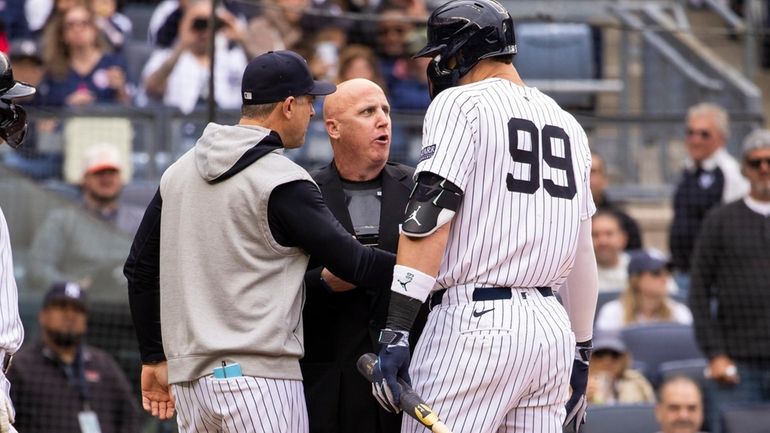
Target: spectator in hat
pixel 59 377
pixel 611 380
pixel 28 67
pixel 646 297
pixel 64 247
pixel 731 269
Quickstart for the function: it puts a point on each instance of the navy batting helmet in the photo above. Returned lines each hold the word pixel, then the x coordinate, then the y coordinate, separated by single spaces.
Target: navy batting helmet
pixel 466 31
pixel 13 118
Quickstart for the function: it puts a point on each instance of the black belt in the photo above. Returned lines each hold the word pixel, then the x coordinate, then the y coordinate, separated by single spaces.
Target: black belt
pixel 487 294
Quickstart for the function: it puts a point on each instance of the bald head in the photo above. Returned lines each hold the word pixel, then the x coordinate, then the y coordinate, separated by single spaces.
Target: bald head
pixel 357 119
pixel 346 94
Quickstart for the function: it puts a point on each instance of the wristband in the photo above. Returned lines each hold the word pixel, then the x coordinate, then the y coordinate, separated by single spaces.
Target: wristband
pixel 412 283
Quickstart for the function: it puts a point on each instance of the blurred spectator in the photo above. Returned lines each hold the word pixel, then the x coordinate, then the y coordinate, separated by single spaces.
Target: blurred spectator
pixel 179 76
pixel 680 406
pixel 13 20
pixel 646 298
pixel 731 270
pixel 28 159
pixel 40 13
pixel 599 183
pixel 409 84
pixel 64 249
pixel 115 26
pixel 609 244
pixel 611 380
pixel 278 27
pixel 359 61
pixel 80 69
pixel 28 67
pixel 393 30
pixel 59 378
pixel 710 177
pixel 164 24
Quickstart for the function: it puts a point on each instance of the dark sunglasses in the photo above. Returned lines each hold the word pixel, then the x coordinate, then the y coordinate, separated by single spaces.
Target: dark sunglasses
pixel 757 162
pixel 704 134
pixel 605 352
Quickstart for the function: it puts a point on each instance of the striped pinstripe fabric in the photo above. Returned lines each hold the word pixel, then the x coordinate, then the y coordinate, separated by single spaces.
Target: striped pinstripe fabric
pixel 243 404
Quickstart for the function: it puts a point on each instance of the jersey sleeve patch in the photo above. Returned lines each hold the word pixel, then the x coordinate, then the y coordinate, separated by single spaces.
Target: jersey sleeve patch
pixel 427 153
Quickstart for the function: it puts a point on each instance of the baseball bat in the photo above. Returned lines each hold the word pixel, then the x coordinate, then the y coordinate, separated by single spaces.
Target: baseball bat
pixel 411 403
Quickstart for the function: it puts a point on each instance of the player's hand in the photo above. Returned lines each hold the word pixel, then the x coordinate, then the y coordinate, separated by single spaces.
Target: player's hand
pixel 576 405
pixel 156 394
pixel 392 364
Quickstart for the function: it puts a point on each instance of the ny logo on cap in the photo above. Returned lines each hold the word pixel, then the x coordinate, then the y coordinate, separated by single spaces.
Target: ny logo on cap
pixel 247 95
pixel 72 290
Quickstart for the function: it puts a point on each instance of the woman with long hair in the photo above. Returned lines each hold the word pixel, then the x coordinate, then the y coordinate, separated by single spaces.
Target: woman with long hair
pixel 646 299
pixel 81 71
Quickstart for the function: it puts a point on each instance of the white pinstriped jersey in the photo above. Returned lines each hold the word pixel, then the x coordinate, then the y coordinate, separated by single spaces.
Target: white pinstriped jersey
pixel 523 164
pixel 11 329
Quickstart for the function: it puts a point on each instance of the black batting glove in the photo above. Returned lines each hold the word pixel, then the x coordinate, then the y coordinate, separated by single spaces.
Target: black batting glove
pixel 577 404
pixel 392 364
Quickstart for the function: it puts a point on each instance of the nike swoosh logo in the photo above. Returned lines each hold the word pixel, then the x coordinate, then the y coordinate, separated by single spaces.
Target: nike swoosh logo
pixel 481 313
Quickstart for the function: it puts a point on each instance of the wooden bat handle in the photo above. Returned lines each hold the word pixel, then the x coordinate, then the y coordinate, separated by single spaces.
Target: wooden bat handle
pixel 411 403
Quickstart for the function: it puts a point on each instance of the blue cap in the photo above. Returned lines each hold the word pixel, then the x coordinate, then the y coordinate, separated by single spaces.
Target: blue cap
pixel 276 75
pixel 647 261
pixel 608 340
pixel 65 292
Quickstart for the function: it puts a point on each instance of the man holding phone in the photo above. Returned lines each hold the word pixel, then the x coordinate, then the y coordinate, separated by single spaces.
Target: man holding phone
pixel 179 76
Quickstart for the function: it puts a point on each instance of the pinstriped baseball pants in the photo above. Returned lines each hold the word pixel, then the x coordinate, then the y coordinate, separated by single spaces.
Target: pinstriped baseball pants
pixel 245 404
pixel 499 366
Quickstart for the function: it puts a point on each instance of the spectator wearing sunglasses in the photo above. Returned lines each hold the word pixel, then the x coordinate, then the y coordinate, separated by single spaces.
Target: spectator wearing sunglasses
pixel 611 380
pixel 731 268
pixel 646 298
pixel 710 177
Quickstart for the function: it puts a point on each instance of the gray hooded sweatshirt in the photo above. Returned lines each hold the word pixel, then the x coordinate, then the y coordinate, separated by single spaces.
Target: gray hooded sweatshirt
pixel 229 292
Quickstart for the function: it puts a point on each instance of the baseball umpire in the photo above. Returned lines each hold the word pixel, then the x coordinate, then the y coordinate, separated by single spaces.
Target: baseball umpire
pixel 216 269
pixel 13 128
pixel 500 217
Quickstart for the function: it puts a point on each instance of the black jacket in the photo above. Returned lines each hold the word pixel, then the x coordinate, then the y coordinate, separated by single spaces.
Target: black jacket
pixel 47 401
pixel 340 327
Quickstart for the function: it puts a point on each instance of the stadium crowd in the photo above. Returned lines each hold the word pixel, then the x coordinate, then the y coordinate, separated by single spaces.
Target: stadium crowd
pixel 86 53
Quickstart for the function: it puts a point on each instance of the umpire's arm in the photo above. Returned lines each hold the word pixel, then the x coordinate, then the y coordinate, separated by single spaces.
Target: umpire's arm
pixel 142 270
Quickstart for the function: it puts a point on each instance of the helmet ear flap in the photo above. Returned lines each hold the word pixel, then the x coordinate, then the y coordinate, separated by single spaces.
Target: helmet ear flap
pixel 13 123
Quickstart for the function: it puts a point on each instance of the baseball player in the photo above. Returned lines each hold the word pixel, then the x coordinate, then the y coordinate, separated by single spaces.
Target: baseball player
pixel 13 128
pixel 499 218
pixel 216 270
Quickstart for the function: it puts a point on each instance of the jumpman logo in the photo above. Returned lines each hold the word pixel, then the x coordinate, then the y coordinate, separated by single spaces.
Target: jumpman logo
pixel 409 277
pixel 413 216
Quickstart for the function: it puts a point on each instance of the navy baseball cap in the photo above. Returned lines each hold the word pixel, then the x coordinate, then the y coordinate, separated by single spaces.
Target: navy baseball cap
pixel 608 340
pixel 276 75
pixel 647 261
pixel 68 292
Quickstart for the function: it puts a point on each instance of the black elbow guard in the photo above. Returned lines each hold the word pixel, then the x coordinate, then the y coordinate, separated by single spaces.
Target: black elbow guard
pixel 433 203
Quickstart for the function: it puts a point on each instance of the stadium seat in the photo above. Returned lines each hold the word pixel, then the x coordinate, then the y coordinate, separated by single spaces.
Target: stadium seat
pixel 654 344
pixel 140 15
pixel 692 368
pixel 625 418
pixel 746 418
pixel 603 298
pixel 557 51
pixel 136 53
